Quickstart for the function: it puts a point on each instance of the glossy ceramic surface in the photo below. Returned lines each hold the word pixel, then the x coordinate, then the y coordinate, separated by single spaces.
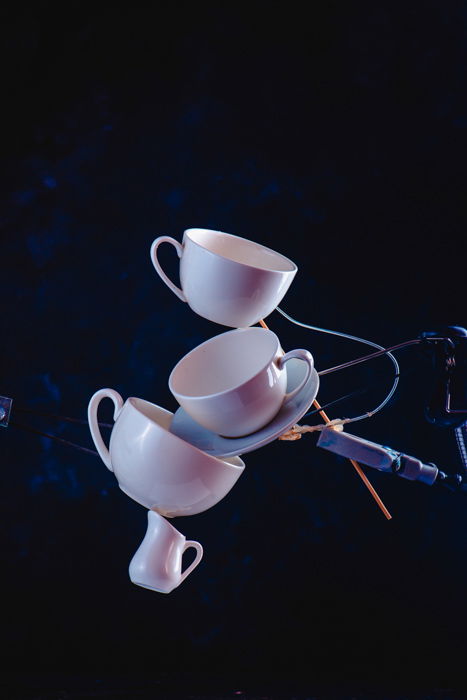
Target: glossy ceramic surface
pixel 235 383
pixel 157 564
pixel 153 466
pixel 290 413
pixel 227 279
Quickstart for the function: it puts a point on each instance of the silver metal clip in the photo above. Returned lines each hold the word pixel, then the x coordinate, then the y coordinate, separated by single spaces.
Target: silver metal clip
pixel 5 410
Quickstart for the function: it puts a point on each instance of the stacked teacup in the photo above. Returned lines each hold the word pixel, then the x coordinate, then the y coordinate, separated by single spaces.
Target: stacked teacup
pixel 234 391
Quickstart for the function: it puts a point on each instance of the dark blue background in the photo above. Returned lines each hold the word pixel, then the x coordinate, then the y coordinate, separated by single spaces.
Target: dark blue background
pixel 336 137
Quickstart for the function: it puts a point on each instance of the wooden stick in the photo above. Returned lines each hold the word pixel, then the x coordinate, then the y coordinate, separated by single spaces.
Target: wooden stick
pixel 358 468
pixel 355 464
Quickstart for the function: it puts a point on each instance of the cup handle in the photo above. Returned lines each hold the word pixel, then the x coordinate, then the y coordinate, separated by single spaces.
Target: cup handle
pixel 300 354
pixel 197 559
pixel 94 425
pixel 179 248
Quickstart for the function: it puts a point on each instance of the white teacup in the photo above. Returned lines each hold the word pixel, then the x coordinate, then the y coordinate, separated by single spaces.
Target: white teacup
pixel 155 468
pixel 227 279
pixel 157 563
pixel 235 383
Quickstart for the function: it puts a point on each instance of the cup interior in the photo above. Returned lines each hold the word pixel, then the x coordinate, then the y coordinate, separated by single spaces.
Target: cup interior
pixel 154 413
pixel 224 362
pixel 164 418
pixel 240 250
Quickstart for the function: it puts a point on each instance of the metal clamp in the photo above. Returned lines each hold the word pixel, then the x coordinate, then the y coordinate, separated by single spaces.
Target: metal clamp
pixel 377 456
pixel 5 410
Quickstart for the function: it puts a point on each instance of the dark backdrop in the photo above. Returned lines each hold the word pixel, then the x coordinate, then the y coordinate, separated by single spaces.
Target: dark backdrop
pixel 336 137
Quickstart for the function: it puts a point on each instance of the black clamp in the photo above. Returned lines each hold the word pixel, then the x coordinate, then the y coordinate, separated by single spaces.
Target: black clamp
pixel 447 404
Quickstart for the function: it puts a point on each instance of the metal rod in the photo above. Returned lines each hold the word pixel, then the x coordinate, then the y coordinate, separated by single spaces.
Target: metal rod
pixel 371 356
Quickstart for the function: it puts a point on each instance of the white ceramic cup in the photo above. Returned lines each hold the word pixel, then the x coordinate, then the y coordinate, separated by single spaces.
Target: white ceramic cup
pixel 235 383
pixel 155 468
pixel 227 279
pixel 157 563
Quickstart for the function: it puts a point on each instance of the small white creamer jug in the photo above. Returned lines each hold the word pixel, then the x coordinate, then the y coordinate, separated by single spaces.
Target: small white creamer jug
pixel 157 564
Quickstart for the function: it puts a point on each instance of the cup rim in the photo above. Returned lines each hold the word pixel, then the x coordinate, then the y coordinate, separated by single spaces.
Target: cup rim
pixel 215 394
pixel 293 269
pixel 131 401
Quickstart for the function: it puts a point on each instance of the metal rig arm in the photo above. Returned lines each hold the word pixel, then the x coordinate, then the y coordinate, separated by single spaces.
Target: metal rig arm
pixel 377 456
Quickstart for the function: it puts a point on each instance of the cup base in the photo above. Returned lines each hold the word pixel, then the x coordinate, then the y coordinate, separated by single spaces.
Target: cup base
pixel 243 435
pixel 250 432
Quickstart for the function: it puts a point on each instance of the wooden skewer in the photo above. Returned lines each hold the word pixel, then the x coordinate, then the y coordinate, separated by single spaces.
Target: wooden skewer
pixel 358 469
pixel 355 464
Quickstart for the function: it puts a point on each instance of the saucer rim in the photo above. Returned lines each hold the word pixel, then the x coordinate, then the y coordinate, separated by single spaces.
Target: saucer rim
pixel 270 432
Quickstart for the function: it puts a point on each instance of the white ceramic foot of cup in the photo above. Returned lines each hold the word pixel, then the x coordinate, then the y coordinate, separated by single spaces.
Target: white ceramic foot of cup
pixel 157 563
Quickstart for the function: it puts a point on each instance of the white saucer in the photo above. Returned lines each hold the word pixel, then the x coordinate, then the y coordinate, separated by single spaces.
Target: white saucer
pixel 189 430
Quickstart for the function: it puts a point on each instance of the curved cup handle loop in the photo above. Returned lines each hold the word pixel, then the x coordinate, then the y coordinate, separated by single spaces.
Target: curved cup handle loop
pixel 299 355
pixel 179 248
pixel 94 425
pixel 197 559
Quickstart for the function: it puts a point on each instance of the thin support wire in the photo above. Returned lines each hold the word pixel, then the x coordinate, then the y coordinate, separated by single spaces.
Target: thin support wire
pixel 371 356
pixel 66 419
pixel 355 464
pixel 382 351
pixel 53 437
